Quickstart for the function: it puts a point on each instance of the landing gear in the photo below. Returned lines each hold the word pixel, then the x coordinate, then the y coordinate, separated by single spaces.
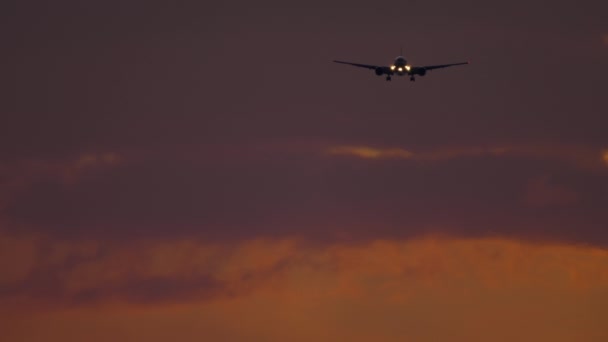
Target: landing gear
pixel 388 78
pixel 412 79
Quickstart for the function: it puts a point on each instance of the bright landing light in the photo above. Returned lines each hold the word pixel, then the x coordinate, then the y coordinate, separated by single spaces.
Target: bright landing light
pixel 392 67
pixel 400 69
pixel 407 67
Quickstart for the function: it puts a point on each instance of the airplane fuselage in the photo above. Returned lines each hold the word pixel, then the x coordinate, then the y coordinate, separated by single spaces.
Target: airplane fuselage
pixel 400 62
pixel 399 67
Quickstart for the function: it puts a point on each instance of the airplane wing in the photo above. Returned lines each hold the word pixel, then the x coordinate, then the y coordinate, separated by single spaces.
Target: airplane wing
pixel 358 65
pixel 431 67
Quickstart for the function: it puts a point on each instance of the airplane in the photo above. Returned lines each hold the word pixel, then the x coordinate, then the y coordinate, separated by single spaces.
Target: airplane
pixel 401 68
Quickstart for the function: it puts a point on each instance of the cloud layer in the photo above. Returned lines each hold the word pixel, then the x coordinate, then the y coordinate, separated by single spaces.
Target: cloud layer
pixel 292 289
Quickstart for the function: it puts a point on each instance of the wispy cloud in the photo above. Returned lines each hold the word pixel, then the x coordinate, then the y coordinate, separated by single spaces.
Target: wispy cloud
pixel 579 155
pixel 370 152
pixel 17 175
pixel 64 170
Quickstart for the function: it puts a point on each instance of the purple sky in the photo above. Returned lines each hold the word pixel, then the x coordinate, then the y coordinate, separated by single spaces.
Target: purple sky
pixel 219 118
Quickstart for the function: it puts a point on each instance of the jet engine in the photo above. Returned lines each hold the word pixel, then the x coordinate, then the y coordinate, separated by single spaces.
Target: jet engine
pixel 379 71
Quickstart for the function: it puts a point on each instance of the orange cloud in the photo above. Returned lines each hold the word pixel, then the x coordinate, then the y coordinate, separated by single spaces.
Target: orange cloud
pixel 578 155
pixel 92 160
pixel 424 289
pixel 370 152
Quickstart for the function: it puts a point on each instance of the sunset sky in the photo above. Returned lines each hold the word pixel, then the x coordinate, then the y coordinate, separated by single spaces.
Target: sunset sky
pixel 202 171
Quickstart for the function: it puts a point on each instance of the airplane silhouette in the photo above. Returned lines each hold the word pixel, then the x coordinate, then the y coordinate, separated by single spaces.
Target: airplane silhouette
pixel 400 67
